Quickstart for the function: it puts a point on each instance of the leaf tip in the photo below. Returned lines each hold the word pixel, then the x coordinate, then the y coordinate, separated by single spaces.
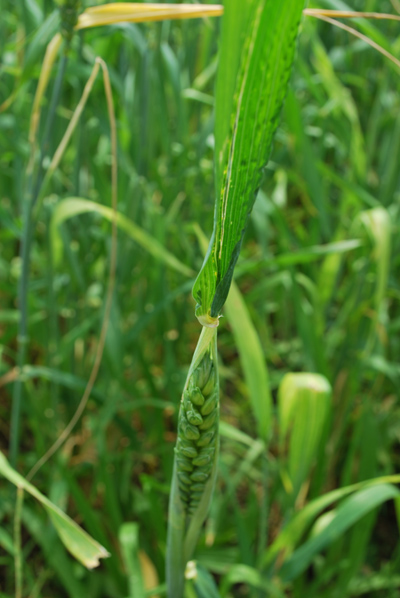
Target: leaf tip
pixel 94 561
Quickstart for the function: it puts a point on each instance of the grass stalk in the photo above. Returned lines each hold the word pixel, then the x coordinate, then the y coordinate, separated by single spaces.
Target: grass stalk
pixel 113 257
pixel 263 516
pixel 349 14
pixel 25 251
pixel 71 127
pixel 361 36
pixel 17 543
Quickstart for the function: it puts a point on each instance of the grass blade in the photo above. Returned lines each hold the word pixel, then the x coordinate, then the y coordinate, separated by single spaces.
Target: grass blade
pixel 252 360
pixel 286 541
pixel 352 510
pixel 45 72
pixel 204 584
pixel 73 206
pixel 129 540
pixel 76 540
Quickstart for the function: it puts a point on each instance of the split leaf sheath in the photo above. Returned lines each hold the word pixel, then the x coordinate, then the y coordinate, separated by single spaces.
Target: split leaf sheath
pixel 196 457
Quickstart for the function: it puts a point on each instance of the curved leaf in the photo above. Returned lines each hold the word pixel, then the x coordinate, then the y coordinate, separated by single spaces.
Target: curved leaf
pixel 291 534
pixel 73 206
pixel 76 540
pixel 348 513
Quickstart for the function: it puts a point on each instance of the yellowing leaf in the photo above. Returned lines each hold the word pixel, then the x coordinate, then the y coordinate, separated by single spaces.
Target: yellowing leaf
pixel 149 572
pixel 45 71
pixel 122 12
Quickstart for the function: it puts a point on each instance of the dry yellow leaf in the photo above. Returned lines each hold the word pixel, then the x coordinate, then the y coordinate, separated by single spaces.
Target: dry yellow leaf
pixel 149 573
pixel 119 12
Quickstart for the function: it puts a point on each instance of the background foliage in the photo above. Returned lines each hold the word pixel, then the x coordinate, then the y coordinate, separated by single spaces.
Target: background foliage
pixel 319 279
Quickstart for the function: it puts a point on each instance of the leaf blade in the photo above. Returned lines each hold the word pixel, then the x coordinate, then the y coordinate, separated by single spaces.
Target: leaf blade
pixel 252 360
pixel 132 12
pixel 74 206
pixel 348 513
pixel 268 54
pixel 82 546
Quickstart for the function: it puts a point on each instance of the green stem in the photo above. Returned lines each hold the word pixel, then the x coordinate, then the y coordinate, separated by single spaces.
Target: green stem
pixel 27 233
pixel 17 543
pixel 263 518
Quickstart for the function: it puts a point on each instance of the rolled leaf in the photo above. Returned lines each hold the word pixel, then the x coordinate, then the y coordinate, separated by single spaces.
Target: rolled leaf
pixel 304 401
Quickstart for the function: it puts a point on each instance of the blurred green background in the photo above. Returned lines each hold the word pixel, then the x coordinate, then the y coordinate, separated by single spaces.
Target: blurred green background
pixel 318 274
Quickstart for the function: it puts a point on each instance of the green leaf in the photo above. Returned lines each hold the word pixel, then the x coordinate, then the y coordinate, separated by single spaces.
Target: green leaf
pixel 244 574
pixel 348 513
pixel 251 87
pixel 129 540
pixel 233 37
pixel 315 252
pixel 377 225
pixel 56 558
pixel 229 431
pixel 6 541
pixel 73 206
pixel 76 540
pixel 288 538
pixel 252 360
pixel 204 584
pixel 342 102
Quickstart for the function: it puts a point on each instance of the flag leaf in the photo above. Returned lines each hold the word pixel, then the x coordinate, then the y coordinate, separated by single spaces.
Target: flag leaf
pixel 251 86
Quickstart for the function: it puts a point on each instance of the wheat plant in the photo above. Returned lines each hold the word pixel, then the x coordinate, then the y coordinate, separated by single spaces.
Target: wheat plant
pixel 82 546
pixel 328 305
pixel 257 50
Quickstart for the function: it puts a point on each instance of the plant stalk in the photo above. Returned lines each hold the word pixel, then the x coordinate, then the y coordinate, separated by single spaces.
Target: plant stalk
pixel 25 251
pixel 17 543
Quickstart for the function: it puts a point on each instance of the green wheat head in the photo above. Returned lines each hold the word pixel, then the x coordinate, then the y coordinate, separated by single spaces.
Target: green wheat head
pixel 197 444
